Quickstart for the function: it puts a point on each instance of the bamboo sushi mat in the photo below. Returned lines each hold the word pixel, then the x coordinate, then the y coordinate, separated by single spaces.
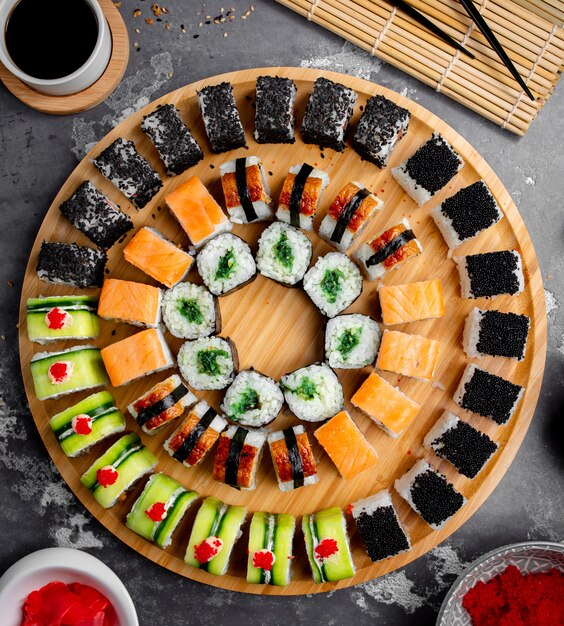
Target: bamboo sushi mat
pixel 531 33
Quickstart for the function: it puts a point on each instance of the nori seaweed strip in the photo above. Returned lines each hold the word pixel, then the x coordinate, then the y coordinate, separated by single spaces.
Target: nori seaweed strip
pixel 162 405
pixel 347 213
pixel 297 193
pixel 188 445
pixel 243 189
pixel 234 457
pixel 391 248
pixel 295 457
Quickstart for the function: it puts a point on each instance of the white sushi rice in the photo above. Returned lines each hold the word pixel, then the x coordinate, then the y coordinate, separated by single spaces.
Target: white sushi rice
pixel 191 367
pixel 471 334
pixel 244 267
pixel 181 303
pixel 404 484
pixel 349 281
pixel 269 399
pixel 322 398
pixel 256 439
pixel 328 224
pixel 361 326
pixel 289 485
pixel 374 272
pixel 268 262
pixel 306 221
pixel 466 284
pixel 262 208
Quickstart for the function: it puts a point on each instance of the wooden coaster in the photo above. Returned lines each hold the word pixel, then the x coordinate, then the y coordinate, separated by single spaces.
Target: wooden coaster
pixel 93 95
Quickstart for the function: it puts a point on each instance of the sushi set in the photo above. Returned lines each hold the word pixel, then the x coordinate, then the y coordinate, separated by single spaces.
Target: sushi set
pixel 282 333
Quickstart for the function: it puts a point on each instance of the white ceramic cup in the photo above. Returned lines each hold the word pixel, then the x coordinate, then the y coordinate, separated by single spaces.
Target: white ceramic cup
pixel 80 79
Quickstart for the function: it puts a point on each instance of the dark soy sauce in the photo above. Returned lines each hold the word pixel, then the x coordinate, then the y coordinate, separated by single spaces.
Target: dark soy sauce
pixel 50 39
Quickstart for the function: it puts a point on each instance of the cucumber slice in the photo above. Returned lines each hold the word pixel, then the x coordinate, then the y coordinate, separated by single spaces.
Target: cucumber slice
pixel 84 325
pixel 130 458
pixel 257 537
pixel 307 523
pixel 177 499
pixel 331 523
pixel 229 531
pixel 45 303
pixel 209 512
pixel 283 540
pixel 87 371
pixel 106 420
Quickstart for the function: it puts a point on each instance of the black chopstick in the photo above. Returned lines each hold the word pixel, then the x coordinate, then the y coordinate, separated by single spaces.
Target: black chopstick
pixel 419 17
pixel 494 43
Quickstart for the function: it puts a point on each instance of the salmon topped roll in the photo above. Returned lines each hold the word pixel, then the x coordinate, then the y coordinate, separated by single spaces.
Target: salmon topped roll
pixel 411 302
pixel 134 303
pixel 410 355
pixel 388 251
pixel 197 212
pixel 246 190
pixel 301 195
pixel 292 458
pixel 238 456
pixel 195 437
pixel 348 215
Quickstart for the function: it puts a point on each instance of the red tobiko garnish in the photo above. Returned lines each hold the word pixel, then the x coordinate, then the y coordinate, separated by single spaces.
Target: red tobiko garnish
pixel 326 548
pixel 59 372
pixel 82 424
pixel 56 319
pixel 208 549
pixel 107 475
pixel 264 559
pixel 156 512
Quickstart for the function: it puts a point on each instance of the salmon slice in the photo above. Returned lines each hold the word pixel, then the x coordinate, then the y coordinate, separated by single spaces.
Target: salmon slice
pixel 197 211
pixel 410 355
pixel 391 409
pixel 126 301
pixel 157 257
pixel 135 356
pixel 411 302
pixel 346 445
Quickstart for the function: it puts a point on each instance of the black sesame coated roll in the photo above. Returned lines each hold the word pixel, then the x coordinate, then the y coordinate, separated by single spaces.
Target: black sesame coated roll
pixel 221 117
pixel 71 264
pixel 274 113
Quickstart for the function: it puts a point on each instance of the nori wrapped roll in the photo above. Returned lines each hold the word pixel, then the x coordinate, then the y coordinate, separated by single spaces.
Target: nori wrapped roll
pixel 123 166
pixel 172 139
pixel 71 264
pixel 91 212
pixel 274 113
pixel 327 114
pixel 221 118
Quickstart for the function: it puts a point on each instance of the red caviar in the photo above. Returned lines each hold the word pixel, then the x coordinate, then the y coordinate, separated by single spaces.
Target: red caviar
pixel 264 559
pixel 515 599
pixel 60 371
pixel 56 319
pixel 326 548
pixel 156 512
pixel 82 424
pixel 208 549
pixel 107 475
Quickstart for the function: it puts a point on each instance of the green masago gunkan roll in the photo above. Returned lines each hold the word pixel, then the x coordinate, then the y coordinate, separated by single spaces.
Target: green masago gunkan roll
pixel 216 529
pixel 159 509
pixel 270 549
pixel 122 465
pixel 62 317
pixel 87 423
pixel 327 545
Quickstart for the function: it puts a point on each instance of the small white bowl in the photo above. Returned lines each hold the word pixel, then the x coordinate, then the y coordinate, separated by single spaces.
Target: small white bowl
pixel 83 77
pixel 65 565
pixel 531 557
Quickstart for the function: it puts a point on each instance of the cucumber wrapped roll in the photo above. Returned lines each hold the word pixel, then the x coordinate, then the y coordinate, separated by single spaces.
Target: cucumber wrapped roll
pixel 270 548
pixel 62 317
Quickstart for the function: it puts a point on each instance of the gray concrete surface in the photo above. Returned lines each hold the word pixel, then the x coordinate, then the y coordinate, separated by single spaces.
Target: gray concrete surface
pixel 37 152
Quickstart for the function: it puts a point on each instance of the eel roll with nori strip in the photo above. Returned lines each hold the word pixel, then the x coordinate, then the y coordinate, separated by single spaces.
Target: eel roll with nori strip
pixel 93 214
pixel 237 457
pixel 50 318
pixel 246 191
pixel 195 437
pixel 349 213
pixel 221 117
pixel 274 112
pixel 328 111
pixel 172 139
pixel 162 404
pixel 129 172
pixel 382 124
pixel 71 264
pixel 292 458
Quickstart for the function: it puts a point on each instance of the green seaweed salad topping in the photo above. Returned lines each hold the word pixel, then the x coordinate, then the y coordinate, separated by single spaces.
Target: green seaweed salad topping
pixel 283 252
pixel 248 400
pixel 207 361
pixel 349 340
pixel 331 284
pixel 306 390
pixel 190 309
pixel 226 265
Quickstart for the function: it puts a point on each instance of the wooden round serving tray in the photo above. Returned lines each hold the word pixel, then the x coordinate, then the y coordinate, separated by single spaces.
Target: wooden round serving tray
pixel 277 330
pixel 93 95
